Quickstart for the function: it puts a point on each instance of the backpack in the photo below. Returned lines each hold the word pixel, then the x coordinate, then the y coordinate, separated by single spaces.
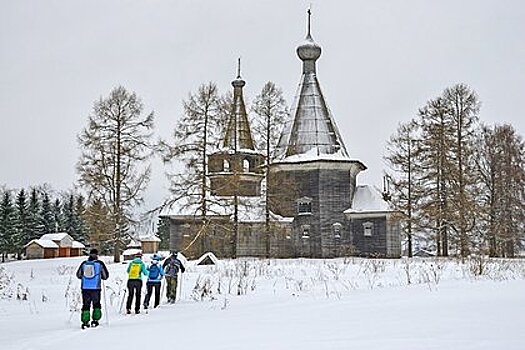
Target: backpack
pixel 134 271
pixel 173 267
pixel 89 270
pixel 154 272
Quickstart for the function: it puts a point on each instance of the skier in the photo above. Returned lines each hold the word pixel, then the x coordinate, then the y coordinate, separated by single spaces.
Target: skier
pixel 136 269
pixel 155 274
pixel 172 266
pixel 91 272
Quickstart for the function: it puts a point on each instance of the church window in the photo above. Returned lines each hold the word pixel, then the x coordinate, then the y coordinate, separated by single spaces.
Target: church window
pixel 306 231
pixel 368 228
pixel 226 165
pixel 246 165
pixel 304 206
pixel 337 230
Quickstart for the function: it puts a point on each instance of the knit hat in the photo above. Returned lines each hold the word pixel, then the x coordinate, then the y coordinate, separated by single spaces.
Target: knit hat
pixel 155 257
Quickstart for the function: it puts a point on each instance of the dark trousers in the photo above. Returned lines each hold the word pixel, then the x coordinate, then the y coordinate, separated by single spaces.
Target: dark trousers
pixel 134 286
pixel 172 288
pixel 150 287
pixel 90 296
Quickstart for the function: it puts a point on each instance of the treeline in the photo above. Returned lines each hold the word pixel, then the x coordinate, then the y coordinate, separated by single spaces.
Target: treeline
pixel 28 214
pixel 457 184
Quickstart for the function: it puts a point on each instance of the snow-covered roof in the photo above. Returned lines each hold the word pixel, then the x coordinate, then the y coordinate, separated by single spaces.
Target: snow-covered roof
pixel 134 244
pixel 312 155
pixel 55 236
pixel 150 239
pixel 131 251
pixel 77 244
pixel 44 243
pixel 367 199
pixel 209 255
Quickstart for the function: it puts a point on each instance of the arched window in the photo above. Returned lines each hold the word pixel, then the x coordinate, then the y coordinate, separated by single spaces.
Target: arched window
pixel 368 228
pixel 337 230
pixel 246 166
pixel 226 165
pixel 306 231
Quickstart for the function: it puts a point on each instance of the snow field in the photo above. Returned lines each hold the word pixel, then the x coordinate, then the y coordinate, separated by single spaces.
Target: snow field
pixel 280 304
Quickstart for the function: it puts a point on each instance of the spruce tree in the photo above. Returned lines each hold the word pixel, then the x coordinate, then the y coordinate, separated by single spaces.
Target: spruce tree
pixel 23 231
pixel 7 225
pixel 34 219
pixel 58 219
pixel 47 223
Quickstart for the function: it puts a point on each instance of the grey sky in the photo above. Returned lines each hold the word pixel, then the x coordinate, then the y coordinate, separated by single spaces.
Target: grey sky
pixel 381 61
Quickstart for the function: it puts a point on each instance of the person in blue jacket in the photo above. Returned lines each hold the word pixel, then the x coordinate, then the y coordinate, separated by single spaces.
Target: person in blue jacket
pixel 91 272
pixel 156 273
pixel 136 269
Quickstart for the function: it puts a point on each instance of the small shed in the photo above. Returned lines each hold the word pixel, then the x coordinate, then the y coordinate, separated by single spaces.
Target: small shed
pixel 207 259
pixel 150 245
pixel 130 253
pixel 41 249
pixel 423 253
pixel 53 245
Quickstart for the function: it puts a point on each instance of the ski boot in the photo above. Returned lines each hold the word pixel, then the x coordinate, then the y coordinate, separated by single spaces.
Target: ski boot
pixel 94 323
pixel 85 325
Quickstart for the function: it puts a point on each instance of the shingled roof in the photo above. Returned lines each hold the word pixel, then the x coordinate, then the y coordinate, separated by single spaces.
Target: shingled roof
pixel 312 129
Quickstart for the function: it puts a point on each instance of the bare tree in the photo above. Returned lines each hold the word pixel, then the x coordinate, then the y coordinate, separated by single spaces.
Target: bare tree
pixel 271 110
pixel 402 157
pixel 115 146
pixel 434 164
pixel 195 135
pixel 501 165
pixel 463 108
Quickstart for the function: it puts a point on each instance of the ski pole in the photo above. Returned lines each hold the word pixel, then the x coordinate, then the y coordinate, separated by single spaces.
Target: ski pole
pixel 105 303
pixel 162 287
pixel 122 302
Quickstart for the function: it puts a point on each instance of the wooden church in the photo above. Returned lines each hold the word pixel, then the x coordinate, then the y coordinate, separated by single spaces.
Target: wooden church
pixel 315 207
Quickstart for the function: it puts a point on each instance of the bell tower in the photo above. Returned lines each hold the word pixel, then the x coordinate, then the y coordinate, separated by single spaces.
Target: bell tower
pixel 236 169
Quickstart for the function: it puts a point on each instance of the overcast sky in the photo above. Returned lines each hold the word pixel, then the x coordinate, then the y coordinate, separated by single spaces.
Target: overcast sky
pixel 381 61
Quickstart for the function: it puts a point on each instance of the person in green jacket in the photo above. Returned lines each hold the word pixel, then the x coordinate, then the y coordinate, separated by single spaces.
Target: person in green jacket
pixel 136 269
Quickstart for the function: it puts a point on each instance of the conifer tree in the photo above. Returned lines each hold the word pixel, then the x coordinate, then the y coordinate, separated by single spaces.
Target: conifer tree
pixel 47 218
pixel 23 231
pixel 433 164
pixel 58 220
pixel 7 225
pixel 116 145
pixel 34 220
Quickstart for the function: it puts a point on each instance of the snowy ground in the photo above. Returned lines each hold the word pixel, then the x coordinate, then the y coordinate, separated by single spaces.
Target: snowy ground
pixel 287 304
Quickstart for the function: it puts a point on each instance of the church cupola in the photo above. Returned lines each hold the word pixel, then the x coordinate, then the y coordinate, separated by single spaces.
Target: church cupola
pixel 311 132
pixel 309 51
pixel 236 168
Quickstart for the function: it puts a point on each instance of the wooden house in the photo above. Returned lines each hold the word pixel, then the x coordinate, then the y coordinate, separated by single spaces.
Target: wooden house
pixel 53 245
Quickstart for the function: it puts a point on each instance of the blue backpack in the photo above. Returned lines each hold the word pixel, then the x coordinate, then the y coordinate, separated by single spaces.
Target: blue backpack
pixel 91 275
pixel 154 271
